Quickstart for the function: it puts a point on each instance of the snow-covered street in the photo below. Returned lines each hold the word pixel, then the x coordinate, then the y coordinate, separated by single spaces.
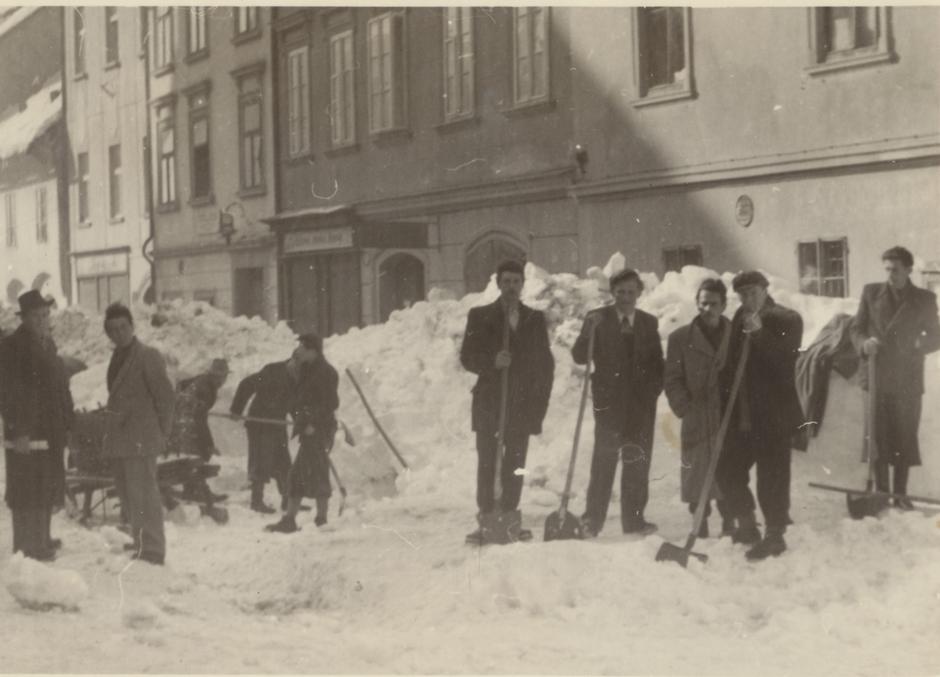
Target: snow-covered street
pixel 390 586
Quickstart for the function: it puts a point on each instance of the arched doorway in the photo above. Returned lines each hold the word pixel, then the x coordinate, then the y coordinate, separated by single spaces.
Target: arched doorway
pixel 483 258
pixel 14 288
pixel 401 283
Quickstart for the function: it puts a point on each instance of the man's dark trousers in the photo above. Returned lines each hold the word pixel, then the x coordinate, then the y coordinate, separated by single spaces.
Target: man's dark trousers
pixel 744 449
pixel 609 448
pixel 517 445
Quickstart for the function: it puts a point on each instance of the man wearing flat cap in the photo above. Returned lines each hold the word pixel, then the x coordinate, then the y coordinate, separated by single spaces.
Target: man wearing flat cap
pixel 196 399
pixel 766 415
pixel 37 414
pixel 313 409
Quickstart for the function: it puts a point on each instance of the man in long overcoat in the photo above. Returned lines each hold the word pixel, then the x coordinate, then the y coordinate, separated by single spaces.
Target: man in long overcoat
pixel 695 356
pixel 139 419
pixel 896 325
pixel 270 391
pixel 627 380
pixel 531 370
pixel 313 408
pixel 37 411
pixel 766 417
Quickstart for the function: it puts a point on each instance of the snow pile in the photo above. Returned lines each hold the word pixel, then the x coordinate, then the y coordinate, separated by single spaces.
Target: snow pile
pixel 38 586
pixel 42 110
pixel 139 614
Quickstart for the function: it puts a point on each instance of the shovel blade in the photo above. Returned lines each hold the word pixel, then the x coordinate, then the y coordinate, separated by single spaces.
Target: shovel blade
pixel 500 527
pixel 562 525
pixel 673 553
pixel 865 505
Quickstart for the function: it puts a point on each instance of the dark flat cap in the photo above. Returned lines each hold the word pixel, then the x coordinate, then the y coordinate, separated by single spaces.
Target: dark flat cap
pixel 311 340
pixel 749 278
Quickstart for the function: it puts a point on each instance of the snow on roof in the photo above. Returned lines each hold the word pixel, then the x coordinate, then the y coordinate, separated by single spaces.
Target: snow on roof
pixel 13 17
pixel 41 112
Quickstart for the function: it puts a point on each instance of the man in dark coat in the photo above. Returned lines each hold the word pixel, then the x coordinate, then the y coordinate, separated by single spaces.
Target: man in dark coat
pixel 766 416
pixel 897 326
pixel 270 391
pixel 627 380
pixel 314 412
pixel 197 396
pixel 37 411
pixel 695 356
pixel 531 370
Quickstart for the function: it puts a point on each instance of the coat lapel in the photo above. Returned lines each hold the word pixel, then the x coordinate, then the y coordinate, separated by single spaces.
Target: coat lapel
pixel 125 368
pixel 906 306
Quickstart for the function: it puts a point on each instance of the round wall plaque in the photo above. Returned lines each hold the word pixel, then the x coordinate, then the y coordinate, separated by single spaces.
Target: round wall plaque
pixel 744 211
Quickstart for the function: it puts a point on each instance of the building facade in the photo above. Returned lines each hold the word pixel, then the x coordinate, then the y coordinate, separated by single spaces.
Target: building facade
pixel 416 148
pixel 33 210
pixel 805 146
pixel 106 97
pixel 213 160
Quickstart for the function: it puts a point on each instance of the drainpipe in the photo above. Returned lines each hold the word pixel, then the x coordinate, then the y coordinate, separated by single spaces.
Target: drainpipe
pixel 62 153
pixel 148 165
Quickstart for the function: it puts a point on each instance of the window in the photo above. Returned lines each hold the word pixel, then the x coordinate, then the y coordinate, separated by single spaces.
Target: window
pixel 9 211
pixel 114 181
pixel 111 35
pixel 298 101
pixel 166 156
pixel 246 20
pixel 824 267
pixel 196 31
pixel 842 37
pixel 163 46
pixel 458 62
pixel 342 93
pixel 386 72
pixel 530 46
pixel 83 216
pixel 42 215
pixel 252 133
pixel 662 54
pixel 144 29
pixel 78 38
pixel 674 258
pixel 200 160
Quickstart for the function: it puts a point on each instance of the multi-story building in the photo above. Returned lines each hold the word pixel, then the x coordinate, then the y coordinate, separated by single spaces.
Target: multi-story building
pixel 213 161
pixel 801 141
pixel 34 244
pixel 416 148
pixel 106 98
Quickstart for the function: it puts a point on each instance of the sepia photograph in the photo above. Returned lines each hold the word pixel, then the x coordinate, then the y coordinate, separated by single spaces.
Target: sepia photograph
pixel 470 339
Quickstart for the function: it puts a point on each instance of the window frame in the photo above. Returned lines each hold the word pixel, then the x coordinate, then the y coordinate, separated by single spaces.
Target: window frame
pixel 298 128
pixel 164 43
pixel 112 26
pixel 199 112
pixel 252 30
pixel 197 14
pixel 681 252
pixel 820 278
pixel 166 180
pixel 520 101
pixel 397 87
pixel 821 61
pixel 79 51
pixel 9 217
pixel 346 76
pixel 83 176
pixel 115 185
pixel 681 88
pixel 246 98
pixel 463 109
pixel 42 215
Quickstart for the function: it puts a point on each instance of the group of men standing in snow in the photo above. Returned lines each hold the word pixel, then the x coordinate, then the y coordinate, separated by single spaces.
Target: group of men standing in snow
pixel 896 321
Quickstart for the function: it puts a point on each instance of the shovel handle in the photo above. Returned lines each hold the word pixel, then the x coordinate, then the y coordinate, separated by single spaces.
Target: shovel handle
pixel 581 406
pixel 375 421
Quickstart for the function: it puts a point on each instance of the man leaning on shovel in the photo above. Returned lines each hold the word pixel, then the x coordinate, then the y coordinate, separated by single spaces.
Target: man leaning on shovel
pixel 897 322
pixel 506 345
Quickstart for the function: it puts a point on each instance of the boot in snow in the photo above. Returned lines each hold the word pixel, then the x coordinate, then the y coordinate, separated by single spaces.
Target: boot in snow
pixel 287 525
pixel 772 545
pixel 747 532
pixel 257 500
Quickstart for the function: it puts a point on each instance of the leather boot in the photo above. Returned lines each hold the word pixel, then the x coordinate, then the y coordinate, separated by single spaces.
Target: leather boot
pixel 257 500
pixel 747 532
pixel 772 545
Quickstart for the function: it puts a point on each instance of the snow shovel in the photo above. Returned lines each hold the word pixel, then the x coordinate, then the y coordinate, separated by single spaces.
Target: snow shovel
pixel 501 526
pixel 562 525
pixel 680 555
pixel 375 421
pixel 347 436
pixel 869 503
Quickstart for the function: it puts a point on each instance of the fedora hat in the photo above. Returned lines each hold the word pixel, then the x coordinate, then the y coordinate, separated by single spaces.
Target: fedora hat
pixel 32 300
